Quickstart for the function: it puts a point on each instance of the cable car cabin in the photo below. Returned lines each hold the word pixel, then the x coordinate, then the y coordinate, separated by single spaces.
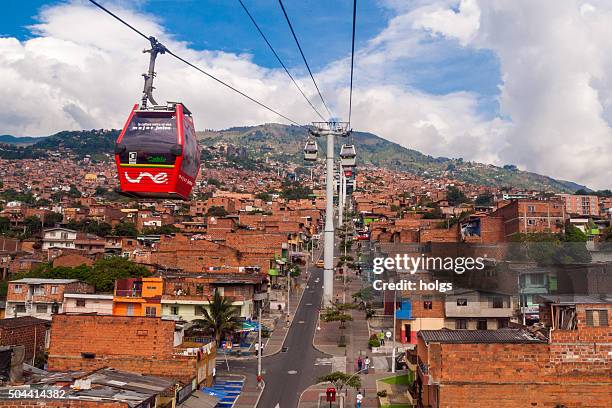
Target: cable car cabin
pixel 157 153
pixel 348 155
pixel 311 150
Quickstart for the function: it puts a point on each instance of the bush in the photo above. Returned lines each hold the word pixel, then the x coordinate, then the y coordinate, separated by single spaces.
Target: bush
pixel 382 394
pixel 374 342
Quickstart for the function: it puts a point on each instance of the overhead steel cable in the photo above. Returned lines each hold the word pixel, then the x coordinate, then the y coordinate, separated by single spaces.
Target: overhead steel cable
pixel 303 56
pixel 196 67
pixel 352 64
pixel 279 59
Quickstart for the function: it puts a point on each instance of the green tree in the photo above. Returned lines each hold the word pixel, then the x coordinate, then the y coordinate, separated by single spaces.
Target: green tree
pixel 32 225
pixel 105 271
pixel 125 229
pixel 213 182
pixel 74 192
pixel 51 219
pixel 341 380
pixel 220 318
pixel 454 196
pixel 264 196
pixel 484 199
pixel 5 225
pixel 216 211
pixel 163 230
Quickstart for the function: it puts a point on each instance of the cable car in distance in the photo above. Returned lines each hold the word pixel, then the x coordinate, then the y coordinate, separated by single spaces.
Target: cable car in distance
pixel 157 153
pixel 311 150
pixel 348 155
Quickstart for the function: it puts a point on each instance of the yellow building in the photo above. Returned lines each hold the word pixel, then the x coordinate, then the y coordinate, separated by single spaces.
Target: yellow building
pixel 138 297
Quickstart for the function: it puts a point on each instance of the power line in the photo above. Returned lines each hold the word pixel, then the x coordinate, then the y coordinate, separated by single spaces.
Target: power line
pixel 352 63
pixel 196 67
pixel 279 60
pixel 303 56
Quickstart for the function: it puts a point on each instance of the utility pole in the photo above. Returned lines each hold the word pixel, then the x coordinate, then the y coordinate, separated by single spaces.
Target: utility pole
pixel 394 324
pixel 340 196
pixel 329 129
pixel 259 350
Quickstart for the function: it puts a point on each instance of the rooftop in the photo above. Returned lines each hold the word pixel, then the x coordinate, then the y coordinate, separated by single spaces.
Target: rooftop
pixel 478 336
pixel 40 281
pixel 23 321
pixel 576 299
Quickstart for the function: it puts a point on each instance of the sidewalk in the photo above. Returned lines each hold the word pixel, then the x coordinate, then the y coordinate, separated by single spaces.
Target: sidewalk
pixel 356 335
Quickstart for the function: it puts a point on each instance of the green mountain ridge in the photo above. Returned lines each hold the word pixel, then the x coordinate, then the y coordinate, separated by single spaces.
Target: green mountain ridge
pixel 287 143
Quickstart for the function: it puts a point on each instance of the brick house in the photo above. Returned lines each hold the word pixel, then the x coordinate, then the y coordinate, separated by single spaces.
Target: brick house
pixel 138 297
pixel 144 345
pixel 584 205
pixel 41 297
pixel 532 216
pixel 185 297
pixel 26 331
pixel 477 310
pixel 566 364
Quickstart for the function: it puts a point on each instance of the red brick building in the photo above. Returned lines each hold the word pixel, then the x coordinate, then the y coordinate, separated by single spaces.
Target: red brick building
pixel 138 344
pixel 569 367
pixel 26 331
pixel 532 216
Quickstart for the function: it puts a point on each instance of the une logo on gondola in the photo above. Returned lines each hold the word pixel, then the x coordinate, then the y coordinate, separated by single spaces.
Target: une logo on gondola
pixel 159 178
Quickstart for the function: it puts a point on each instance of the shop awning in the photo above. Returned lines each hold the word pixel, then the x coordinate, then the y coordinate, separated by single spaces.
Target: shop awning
pixel 273 272
pixel 200 399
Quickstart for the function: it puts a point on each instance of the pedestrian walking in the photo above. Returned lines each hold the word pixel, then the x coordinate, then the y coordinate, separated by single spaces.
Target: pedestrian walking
pixel 381 337
pixel 359 398
pixel 367 364
pixel 359 364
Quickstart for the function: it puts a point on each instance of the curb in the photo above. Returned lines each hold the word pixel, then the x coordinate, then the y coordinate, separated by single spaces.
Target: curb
pixel 288 328
pixel 260 393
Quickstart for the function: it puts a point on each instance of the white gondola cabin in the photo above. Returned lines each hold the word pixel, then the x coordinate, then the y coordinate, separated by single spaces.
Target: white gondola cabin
pixel 348 155
pixel 311 150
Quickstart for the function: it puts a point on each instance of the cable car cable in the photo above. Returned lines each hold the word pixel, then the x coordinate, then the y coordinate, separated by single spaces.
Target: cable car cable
pixel 279 60
pixel 352 64
pixel 196 67
pixel 303 56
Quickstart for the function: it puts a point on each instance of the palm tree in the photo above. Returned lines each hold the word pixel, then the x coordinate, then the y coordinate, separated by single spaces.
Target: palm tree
pixel 220 318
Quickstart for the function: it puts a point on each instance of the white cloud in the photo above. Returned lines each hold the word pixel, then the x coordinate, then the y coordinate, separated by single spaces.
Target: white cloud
pixel 82 70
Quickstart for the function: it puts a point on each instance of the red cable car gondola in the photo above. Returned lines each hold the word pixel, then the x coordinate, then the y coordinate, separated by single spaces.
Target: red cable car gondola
pixel 157 153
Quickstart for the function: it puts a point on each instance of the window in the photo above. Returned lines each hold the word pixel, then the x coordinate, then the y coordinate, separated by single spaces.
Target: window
pixel 502 323
pixel 461 302
pixel 80 302
pixel 174 310
pixel 20 309
pixel 461 324
pixel 596 318
pixel 481 324
pixel 150 311
pixel 531 208
pixel 41 308
pixel 130 310
pixel 427 305
pixel 536 279
pixel 497 302
pixel 17 289
pixel 531 221
pixel 199 289
pixel 54 290
pixel 199 310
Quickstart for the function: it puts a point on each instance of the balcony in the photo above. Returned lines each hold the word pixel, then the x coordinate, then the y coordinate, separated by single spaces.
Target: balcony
pixel 131 293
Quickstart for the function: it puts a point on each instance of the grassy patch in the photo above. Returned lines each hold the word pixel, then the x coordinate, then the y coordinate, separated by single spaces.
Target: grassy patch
pixel 405 379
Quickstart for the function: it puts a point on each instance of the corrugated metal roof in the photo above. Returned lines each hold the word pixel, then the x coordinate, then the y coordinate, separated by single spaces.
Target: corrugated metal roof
pixel 478 336
pixel 576 299
pixel 40 281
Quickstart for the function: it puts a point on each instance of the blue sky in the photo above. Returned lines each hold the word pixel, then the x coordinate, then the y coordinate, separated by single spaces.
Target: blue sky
pixel 323 27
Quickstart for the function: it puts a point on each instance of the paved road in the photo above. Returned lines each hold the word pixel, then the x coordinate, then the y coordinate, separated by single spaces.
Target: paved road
pixel 289 373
